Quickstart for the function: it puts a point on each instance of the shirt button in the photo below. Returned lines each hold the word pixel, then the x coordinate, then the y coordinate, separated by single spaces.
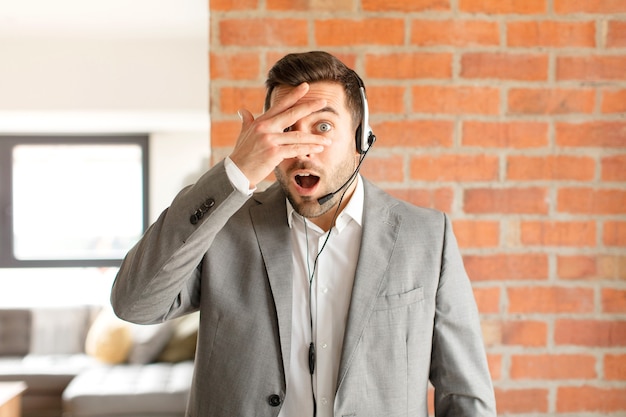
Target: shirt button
pixel 324 401
pixel 325 290
pixel 274 400
pixel 324 345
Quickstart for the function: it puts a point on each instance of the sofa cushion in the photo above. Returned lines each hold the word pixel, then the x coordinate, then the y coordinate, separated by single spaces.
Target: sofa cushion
pixel 15 325
pixel 129 390
pixel 46 376
pixel 60 330
pixel 44 373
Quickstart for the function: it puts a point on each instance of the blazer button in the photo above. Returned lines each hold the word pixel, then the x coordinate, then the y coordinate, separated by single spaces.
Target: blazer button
pixel 274 400
pixel 208 204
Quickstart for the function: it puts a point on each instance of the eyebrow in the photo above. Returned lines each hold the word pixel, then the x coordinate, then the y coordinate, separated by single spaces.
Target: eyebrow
pixel 327 109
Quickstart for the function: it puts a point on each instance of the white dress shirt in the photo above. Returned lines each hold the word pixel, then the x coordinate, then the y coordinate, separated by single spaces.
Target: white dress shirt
pixel 331 283
pixel 331 280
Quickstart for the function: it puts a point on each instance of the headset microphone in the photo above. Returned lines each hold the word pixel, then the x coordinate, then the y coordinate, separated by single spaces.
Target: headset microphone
pixel 364 140
pixel 328 196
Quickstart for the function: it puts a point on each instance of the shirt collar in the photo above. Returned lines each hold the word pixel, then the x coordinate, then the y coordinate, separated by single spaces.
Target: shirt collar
pixel 352 211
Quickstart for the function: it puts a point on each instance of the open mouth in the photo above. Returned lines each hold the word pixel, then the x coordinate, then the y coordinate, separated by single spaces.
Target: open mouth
pixel 307 181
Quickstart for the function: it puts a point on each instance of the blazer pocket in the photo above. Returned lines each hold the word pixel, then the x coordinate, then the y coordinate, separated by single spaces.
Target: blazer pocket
pixel 388 302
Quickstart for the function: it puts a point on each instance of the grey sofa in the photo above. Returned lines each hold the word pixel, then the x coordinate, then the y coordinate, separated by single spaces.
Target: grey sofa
pixel 45 348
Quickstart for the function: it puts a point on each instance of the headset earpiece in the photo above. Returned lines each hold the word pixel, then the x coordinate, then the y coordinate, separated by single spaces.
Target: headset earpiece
pixel 364 136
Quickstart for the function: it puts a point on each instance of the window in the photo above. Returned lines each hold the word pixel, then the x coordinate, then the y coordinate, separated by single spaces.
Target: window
pixel 71 201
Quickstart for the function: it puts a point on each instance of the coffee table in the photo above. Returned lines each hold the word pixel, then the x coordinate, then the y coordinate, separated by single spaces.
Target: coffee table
pixel 11 398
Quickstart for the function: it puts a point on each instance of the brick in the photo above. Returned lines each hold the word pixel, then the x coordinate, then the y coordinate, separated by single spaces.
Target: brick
pixel 507 267
pixel 491 332
pixel 494 362
pixel 458 33
pixel 547 300
pixel 590 398
pixel 615 367
pixel 551 34
pixel 589 267
pixel 597 133
pixel 590 201
pixel 311 5
pixel 415 133
pixel 234 98
pixel 589 6
pixel 516 135
pixel 563 233
pixel 344 32
pixel 590 68
pixel 228 5
pixel 613 300
pixel 460 100
pixel 388 169
pixel 454 168
pixel 263 32
pixel 551 101
pixel 525 333
pixel 438 198
pixel 506 200
pixel 239 66
pixel 590 333
pixel 616 34
pixel 504 66
pixel 503 6
pixel 521 400
pixel 615 233
pixel 487 299
pixel 404 6
pixel 387 99
pixel 551 168
pixel 614 101
pixel 613 168
pixel 224 132
pixel 553 366
pixel 477 233
pixel 409 65
pixel 612 267
pixel 515 333
pixel 576 267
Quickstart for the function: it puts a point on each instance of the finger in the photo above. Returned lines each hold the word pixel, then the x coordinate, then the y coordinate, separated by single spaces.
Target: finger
pixel 246 118
pixel 298 138
pixel 288 100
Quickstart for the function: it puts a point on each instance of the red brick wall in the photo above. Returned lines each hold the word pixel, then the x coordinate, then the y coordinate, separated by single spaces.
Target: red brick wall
pixel 510 115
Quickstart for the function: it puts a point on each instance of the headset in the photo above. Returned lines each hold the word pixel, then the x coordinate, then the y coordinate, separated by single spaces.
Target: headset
pixel 364 134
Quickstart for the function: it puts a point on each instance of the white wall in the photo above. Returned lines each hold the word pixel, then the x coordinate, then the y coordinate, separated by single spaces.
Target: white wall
pixel 106 66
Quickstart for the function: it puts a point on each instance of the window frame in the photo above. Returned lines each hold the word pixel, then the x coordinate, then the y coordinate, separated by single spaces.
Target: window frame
pixel 8 143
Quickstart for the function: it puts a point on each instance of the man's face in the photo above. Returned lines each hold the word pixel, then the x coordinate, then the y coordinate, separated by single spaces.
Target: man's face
pixel 309 177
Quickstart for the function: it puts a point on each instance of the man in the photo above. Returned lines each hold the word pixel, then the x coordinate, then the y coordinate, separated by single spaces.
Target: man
pixel 323 295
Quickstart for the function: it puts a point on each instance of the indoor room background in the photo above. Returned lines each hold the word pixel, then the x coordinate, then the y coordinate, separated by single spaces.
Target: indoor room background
pixel 508 115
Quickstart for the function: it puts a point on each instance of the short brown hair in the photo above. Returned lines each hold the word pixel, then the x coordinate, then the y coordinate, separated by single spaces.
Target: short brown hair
pixel 295 69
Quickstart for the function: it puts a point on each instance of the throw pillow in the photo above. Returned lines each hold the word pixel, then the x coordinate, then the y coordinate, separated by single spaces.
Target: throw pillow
pixel 182 345
pixel 109 338
pixel 149 340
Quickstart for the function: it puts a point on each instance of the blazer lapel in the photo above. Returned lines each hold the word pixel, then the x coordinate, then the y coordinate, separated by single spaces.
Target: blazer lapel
pixel 269 220
pixel 380 230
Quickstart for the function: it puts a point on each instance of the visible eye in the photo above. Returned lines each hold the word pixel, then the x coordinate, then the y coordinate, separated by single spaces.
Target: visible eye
pixel 288 129
pixel 324 127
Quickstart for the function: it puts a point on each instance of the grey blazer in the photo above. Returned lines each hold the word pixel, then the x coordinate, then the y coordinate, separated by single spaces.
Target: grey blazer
pixel 412 315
